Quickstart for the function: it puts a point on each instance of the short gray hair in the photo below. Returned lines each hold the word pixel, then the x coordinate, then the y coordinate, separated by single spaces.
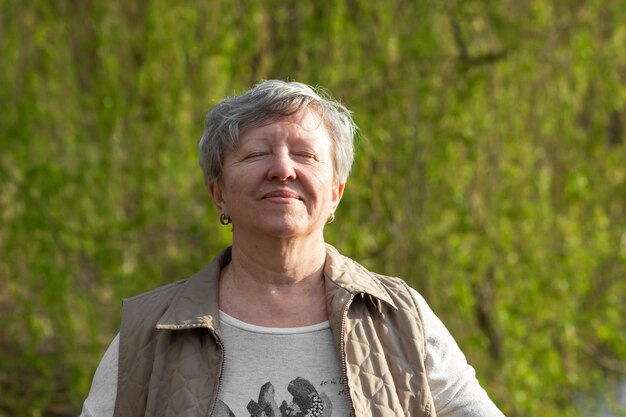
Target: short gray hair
pixel 264 103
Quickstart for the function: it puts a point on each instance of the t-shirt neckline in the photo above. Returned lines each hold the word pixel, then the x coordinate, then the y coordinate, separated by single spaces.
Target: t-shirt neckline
pixel 242 325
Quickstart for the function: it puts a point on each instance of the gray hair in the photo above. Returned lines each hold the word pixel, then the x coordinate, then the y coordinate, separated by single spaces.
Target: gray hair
pixel 264 103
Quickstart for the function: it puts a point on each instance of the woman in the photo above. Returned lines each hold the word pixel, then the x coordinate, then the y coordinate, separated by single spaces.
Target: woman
pixel 281 324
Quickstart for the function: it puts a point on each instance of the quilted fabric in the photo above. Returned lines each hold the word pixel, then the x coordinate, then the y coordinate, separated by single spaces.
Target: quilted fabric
pixel 171 357
pixel 381 339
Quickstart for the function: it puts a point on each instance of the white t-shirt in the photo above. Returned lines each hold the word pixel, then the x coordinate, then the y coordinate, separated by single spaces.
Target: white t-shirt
pixel 299 367
pixel 291 370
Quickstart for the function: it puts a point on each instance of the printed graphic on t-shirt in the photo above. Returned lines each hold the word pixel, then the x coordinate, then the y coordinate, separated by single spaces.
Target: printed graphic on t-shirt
pixel 305 401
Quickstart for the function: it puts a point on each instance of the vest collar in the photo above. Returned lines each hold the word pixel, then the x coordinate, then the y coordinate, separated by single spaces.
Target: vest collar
pixel 196 303
pixel 353 277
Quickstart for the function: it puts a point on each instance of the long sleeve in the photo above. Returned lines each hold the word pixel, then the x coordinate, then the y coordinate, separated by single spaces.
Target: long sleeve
pixel 101 399
pixel 453 384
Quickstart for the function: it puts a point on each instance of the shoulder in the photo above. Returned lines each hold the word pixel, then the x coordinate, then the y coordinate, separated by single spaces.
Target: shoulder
pixel 141 313
pixel 153 302
pixel 349 274
pixel 167 291
pixel 205 274
pixel 393 283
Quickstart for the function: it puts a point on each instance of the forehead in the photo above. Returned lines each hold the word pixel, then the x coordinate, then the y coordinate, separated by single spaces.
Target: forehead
pixel 304 123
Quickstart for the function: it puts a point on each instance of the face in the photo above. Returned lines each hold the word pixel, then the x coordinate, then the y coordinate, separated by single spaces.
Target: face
pixel 280 180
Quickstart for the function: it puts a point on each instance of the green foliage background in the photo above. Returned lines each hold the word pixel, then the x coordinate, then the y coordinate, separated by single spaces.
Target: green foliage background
pixel 490 173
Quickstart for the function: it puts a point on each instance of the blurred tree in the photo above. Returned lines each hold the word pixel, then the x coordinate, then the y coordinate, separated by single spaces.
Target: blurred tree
pixel 490 172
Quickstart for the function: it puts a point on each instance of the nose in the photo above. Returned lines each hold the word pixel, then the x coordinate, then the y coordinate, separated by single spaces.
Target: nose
pixel 282 167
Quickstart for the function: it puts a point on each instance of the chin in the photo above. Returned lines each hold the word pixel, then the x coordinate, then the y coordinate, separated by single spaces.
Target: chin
pixel 285 230
pixel 282 232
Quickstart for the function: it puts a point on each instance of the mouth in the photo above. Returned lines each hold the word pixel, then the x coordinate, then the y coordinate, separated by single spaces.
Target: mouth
pixel 282 196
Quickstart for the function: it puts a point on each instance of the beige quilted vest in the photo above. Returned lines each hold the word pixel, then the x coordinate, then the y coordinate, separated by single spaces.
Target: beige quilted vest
pixel 171 357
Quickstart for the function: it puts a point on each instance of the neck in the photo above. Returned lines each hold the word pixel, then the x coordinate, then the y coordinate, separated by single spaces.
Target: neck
pixel 276 283
pixel 279 261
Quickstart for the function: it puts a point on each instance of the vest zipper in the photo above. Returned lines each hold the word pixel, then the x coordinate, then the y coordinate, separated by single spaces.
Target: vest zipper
pixel 219 378
pixel 342 343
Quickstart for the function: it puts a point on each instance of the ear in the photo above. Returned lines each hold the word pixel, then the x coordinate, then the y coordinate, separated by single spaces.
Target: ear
pixel 215 189
pixel 337 194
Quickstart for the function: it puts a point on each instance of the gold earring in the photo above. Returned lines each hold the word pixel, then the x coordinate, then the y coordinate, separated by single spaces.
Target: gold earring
pixel 224 219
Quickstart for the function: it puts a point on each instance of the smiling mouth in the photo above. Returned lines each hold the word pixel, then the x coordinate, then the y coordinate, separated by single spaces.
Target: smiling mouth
pixel 281 196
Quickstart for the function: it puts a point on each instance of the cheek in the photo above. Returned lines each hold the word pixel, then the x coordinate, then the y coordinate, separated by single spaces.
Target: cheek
pixel 324 174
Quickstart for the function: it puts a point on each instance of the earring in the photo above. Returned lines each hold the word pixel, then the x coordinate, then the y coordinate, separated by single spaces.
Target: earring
pixel 331 218
pixel 224 219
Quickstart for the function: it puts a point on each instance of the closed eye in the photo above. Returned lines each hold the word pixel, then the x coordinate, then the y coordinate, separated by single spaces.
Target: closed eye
pixel 307 155
pixel 254 155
